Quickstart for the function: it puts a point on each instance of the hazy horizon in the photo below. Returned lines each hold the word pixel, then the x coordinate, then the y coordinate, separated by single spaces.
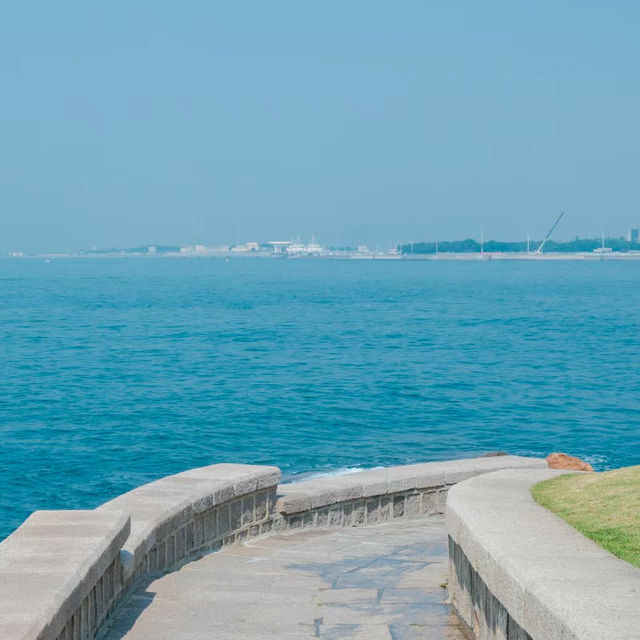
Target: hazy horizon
pixel 375 246
pixel 366 122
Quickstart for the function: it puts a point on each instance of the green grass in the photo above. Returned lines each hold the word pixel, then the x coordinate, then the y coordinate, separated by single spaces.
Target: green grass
pixel 603 506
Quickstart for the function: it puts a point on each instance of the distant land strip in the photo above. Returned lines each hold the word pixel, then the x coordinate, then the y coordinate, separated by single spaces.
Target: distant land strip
pixel 578 248
pixel 578 245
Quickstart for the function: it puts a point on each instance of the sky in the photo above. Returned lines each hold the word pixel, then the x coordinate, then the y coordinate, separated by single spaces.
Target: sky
pixel 155 122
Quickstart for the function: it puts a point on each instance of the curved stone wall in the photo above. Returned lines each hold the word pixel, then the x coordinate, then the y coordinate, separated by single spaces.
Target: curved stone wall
pixel 378 495
pixel 518 571
pixel 63 573
pixel 183 516
pixel 59 572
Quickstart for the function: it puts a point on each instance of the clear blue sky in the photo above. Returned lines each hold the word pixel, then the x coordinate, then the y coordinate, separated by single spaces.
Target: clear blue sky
pixel 363 121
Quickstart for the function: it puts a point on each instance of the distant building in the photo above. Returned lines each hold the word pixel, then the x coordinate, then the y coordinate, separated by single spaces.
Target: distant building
pixel 633 235
pixel 246 248
pixel 151 249
pixel 197 248
pixel 313 248
pixel 279 246
pixel 296 248
pixel 310 249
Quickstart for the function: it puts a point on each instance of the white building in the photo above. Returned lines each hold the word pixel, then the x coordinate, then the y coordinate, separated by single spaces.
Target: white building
pixel 279 246
pixel 296 249
pixel 246 248
pixel 193 248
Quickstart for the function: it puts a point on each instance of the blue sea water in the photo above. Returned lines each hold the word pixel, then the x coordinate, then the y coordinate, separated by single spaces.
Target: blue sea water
pixel 115 372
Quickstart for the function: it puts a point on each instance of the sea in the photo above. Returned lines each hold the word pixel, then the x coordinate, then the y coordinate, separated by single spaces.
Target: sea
pixel 115 372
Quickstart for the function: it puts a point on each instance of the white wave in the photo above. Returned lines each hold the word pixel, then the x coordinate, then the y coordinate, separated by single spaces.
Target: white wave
pixel 329 473
pixel 598 462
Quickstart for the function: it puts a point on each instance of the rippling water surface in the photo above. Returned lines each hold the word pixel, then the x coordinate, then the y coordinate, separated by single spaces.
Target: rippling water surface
pixel 116 372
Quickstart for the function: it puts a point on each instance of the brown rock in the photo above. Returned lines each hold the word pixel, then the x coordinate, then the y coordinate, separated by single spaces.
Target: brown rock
pixel 563 461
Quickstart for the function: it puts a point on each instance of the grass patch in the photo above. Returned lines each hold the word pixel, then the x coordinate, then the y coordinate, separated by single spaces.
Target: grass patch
pixel 604 507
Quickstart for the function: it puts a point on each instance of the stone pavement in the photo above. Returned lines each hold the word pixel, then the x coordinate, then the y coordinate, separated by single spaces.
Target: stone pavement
pixel 379 582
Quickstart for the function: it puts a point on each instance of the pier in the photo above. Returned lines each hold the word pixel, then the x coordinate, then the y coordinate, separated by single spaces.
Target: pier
pixel 227 551
pixel 379 582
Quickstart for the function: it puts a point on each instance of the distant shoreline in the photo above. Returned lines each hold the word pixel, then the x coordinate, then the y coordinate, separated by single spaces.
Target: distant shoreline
pixel 449 256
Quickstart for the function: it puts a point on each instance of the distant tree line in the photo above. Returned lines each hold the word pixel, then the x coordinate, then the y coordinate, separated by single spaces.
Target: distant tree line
pixel 493 246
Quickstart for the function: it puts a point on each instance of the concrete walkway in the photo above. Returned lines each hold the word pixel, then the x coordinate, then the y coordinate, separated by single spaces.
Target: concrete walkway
pixel 376 583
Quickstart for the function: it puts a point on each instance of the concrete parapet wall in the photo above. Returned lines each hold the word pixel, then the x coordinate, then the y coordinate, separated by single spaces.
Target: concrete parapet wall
pixel 378 495
pixel 63 573
pixel 519 572
pixel 59 572
pixel 372 510
pixel 185 515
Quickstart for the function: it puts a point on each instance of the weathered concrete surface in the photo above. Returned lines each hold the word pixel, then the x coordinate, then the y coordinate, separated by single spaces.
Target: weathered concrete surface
pixel 167 507
pixel 62 573
pixel 551 581
pixel 53 567
pixel 378 582
pixel 313 494
pixel 80 573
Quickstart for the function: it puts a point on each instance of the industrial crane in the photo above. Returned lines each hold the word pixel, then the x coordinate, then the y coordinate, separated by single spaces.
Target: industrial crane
pixel 555 224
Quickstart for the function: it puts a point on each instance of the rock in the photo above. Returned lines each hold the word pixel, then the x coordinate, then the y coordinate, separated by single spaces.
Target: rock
pixel 563 461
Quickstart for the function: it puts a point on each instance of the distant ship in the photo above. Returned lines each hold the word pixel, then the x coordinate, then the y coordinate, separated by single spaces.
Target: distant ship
pixel 299 249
